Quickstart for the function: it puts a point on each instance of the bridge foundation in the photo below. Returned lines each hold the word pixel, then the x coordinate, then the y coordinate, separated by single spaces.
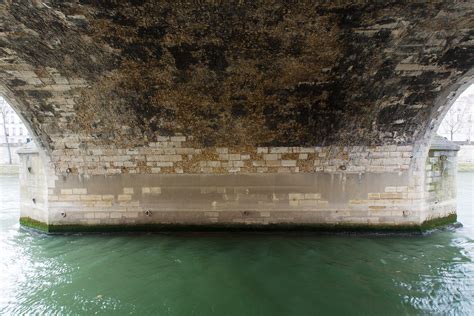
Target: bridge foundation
pixel 316 188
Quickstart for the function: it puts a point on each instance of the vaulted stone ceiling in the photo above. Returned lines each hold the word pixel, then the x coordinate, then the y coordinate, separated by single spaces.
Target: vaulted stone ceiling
pixel 232 73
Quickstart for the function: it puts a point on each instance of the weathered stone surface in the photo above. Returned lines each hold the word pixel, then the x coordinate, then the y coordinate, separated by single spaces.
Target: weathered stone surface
pixel 266 72
pixel 139 91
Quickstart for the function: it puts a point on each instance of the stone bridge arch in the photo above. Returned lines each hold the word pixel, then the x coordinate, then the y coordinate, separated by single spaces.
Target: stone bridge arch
pixel 22 111
pixel 434 158
pixel 444 102
pixel 235 113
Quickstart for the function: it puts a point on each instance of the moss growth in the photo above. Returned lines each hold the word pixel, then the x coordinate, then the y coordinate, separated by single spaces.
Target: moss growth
pixel 286 227
pixel 234 228
pixel 437 222
pixel 34 224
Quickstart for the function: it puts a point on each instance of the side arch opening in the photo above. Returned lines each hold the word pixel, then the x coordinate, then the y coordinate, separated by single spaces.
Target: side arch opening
pixel 436 155
pixel 33 160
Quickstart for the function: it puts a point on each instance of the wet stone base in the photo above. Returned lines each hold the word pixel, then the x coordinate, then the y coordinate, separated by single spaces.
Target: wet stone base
pixel 281 227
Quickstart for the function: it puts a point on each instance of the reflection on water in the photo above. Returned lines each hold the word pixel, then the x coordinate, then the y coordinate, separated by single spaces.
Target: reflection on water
pixel 236 274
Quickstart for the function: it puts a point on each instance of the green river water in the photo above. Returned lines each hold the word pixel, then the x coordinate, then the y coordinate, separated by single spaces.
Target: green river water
pixel 236 274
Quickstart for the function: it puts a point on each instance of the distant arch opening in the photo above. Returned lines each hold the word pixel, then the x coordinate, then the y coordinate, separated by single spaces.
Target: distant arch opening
pixel 13 133
pixel 458 122
pixel 30 159
pixel 433 168
pixel 17 133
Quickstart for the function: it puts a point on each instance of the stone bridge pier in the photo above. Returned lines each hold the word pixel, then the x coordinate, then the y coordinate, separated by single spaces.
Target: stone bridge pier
pixel 226 115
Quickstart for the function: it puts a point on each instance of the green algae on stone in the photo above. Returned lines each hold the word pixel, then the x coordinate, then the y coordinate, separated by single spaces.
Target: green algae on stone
pixel 323 228
pixel 438 222
pixel 34 224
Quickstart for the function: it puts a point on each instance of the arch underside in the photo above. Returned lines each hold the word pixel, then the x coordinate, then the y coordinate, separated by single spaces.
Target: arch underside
pixel 152 92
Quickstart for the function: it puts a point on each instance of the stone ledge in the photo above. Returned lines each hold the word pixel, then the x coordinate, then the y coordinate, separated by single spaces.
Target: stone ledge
pixel 443 144
pixel 283 227
pixel 28 149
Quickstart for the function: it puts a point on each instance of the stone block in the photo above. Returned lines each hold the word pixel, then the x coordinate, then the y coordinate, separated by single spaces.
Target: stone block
pixel 238 163
pixel 308 202
pixel 279 150
pixel 103 204
pixel 155 190
pixel 214 164
pixel 390 189
pixel 273 163
pixel 91 197
pixel 258 163
pixel 124 197
pixel 69 197
pixel 128 190
pixel 391 195
pixel 296 196
pixel 79 191
pixel 164 164
pixel 374 196
pixel 312 196
pixel 288 163
pixel 101 215
pixel 270 156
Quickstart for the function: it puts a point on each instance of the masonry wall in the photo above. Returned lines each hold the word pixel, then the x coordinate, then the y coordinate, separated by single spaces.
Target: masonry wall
pixel 321 111
pixel 440 183
pixel 34 184
pixel 174 155
pixel 170 184
pixel 122 74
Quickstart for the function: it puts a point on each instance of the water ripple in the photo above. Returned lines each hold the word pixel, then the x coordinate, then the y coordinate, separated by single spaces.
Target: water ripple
pixel 225 274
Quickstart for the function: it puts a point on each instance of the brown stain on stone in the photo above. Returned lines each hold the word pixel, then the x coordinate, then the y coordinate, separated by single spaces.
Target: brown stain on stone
pixel 230 81
pixel 237 73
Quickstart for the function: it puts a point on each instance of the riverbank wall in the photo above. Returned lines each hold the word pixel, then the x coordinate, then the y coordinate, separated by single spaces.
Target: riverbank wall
pixel 9 169
pixel 466 158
